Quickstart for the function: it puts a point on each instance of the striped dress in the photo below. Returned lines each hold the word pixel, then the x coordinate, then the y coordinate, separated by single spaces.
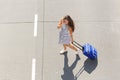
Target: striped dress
pixel 64 36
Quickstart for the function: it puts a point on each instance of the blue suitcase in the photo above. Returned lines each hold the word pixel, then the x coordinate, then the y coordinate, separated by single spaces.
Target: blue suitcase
pixel 87 49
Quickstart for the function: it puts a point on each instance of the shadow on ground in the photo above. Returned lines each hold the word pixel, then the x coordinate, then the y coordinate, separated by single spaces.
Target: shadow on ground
pixel 68 70
pixel 89 66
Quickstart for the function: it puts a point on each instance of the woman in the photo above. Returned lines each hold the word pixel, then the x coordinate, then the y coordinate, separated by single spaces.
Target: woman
pixel 66 34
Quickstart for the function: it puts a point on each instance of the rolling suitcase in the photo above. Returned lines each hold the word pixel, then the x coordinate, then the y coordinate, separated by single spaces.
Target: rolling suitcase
pixel 87 49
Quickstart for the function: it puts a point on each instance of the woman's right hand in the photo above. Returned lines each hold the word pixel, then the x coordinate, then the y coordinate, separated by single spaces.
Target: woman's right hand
pixel 60 23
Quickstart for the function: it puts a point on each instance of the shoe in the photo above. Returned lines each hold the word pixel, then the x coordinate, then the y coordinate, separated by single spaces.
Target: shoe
pixel 63 51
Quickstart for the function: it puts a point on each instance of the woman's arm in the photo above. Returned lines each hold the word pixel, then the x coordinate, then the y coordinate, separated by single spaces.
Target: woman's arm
pixel 60 23
pixel 71 34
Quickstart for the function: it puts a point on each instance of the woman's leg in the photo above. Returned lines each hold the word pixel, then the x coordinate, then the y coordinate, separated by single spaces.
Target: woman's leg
pixel 64 49
pixel 72 47
pixel 64 46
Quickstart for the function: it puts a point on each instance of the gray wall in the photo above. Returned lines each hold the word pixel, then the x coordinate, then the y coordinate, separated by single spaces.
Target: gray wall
pixel 97 22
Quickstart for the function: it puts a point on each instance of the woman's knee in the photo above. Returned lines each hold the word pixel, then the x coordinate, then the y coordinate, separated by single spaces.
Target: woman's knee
pixel 66 45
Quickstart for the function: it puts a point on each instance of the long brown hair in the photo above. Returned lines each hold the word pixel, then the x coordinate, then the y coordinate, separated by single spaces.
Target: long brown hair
pixel 70 22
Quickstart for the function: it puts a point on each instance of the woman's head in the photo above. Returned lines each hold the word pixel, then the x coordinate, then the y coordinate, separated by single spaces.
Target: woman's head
pixel 68 21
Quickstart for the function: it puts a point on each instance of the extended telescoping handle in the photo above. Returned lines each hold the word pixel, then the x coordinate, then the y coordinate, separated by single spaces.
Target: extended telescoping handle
pixel 77 45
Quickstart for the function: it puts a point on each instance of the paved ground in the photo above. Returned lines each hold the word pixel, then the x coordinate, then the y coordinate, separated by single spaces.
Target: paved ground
pixel 97 22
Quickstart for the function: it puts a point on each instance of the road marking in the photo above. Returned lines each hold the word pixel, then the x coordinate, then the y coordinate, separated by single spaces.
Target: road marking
pixel 35 24
pixel 33 68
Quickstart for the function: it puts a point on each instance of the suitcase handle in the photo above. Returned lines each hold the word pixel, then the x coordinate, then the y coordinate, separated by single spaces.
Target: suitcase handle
pixel 77 45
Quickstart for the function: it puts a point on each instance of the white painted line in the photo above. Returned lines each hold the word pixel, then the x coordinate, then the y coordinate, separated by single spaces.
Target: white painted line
pixel 35 25
pixel 33 68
